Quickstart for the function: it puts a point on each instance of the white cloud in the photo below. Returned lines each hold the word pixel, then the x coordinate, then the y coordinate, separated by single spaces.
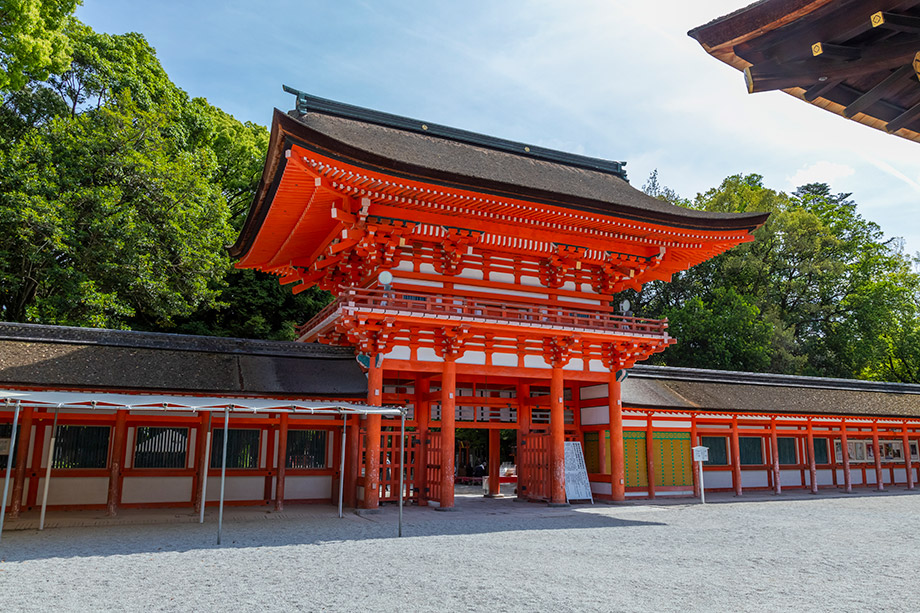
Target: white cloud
pixel 820 172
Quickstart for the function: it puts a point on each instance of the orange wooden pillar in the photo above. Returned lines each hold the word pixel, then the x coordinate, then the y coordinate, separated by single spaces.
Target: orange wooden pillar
pixel 22 461
pixel 650 456
pixel 523 424
pixel 422 417
pixel 774 447
pixel 372 447
pixel 557 437
pixel 693 470
pixel 281 462
pixel 736 457
pixel 617 452
pixel 117 462
pixel 495 441
pixel 448 424
pixel 352 461
pixel 810 450
pixel 908 465
pixel 201 458
pixel 845 452
pixel 879 482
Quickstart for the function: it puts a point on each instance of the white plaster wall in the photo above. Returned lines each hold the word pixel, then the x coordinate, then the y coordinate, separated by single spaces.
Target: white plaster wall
pixel 472 357
pixel 535 361
pixel 307 487
pixel 575 364
pixel 593 391
pixel 504 359
pixel 156 489
pixel 670 424
pixel 76 490
pixel 237 488
pixel 824 477
pixel 753 478
pixel 791 478
pixel 596 366
pixel 399 353
pixel 595 415
pixel 601 488
pixel 717 478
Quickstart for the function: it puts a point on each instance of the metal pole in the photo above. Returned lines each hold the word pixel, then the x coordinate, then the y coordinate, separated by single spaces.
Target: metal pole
pixel 9 465
pixel 402 444
pixel 41 521
pixel 342 464
pixel 223 475
pixel 207 466
pixel 702 485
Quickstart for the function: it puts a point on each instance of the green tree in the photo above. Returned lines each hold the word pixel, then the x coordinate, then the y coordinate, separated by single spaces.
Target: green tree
pixel 33 40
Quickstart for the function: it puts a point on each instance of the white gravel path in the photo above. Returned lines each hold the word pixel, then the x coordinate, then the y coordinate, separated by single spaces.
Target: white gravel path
pixel 825 554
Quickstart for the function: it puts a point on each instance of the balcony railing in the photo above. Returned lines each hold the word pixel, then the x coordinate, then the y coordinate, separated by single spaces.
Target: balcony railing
pixel 461 309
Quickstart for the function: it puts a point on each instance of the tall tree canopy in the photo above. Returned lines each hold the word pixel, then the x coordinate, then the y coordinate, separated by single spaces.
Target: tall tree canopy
pixel 33 40
pixel 819 292
pixel 118 193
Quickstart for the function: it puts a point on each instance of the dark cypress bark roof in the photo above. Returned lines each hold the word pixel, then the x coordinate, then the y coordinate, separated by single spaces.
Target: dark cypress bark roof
pixel 418 150
pixel 88 358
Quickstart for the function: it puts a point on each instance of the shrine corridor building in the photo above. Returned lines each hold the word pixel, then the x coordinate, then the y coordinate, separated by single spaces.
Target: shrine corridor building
pixel 474 280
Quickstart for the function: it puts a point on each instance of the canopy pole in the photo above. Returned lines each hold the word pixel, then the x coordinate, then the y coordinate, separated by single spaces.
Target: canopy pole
pixel 342 464
pixel 223 474
pixel 402 445
pixel 204 472
pixel 41 520
pixel 9 465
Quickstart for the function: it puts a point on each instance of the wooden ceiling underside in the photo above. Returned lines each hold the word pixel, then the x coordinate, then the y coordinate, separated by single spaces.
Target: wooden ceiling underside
pixel 859 59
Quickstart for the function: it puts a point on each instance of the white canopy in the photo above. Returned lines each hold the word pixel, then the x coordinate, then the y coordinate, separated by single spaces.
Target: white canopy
pixel 103 400
pixel 15 399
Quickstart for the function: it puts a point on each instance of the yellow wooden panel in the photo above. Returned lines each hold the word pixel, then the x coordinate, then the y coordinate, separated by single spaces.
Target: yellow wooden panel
pixel 672 458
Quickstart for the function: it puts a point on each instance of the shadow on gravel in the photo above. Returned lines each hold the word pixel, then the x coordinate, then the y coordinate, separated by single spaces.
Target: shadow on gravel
pixel 153 539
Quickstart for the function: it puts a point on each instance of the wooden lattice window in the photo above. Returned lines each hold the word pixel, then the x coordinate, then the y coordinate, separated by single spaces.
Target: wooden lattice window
pixel 242 448
pixel 161 447
pixel 81 447
pixel 307 448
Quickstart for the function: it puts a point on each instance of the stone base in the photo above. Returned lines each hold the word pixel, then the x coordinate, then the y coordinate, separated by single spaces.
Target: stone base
pixel 557 504
pixel 446 509
pixel 363 512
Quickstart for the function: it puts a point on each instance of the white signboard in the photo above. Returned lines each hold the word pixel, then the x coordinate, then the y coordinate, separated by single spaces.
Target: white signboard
pixel 577 486
pixel 701 454
pixel 4 446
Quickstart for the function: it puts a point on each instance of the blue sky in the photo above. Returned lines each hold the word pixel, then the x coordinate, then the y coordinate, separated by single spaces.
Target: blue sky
pixel 613 79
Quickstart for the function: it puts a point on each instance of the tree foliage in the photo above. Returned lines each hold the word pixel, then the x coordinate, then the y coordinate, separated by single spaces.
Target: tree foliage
pixel 827 291
pixel 33 40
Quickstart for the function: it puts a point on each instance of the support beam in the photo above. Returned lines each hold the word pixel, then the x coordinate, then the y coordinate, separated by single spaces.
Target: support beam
pixel 879 481
pixel 352 461
pixel 897 23
pixel 904 119
pixel 523 430
pixel 116 464
pixel 774 449
pixel 810 449
pixel 448 419
pixel 495 441
pixel 819 89
pixel 894 81
pixel 845 452
pixel 908 464
pixel 22 461
pixel 372 446
pixel 202 449
pixel 557 436
pixel 650 456
pixel 693 443
pixel 9 465
pixel 422 418
pixel 840 52
pixel 617 452
pixel 281 462
pixel 736 457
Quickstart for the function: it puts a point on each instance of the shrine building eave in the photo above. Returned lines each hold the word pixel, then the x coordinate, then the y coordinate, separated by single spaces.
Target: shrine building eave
pixel 425 154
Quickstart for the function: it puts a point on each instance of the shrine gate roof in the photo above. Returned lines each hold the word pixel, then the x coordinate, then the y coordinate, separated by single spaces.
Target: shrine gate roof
pixel 431 154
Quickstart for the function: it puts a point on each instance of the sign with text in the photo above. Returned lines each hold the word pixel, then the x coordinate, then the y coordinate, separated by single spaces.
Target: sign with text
pixel 4 446
pixel 577 486
pixel 701 454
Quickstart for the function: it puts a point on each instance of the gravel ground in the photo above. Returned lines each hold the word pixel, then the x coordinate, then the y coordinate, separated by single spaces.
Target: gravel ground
pixel 814 554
